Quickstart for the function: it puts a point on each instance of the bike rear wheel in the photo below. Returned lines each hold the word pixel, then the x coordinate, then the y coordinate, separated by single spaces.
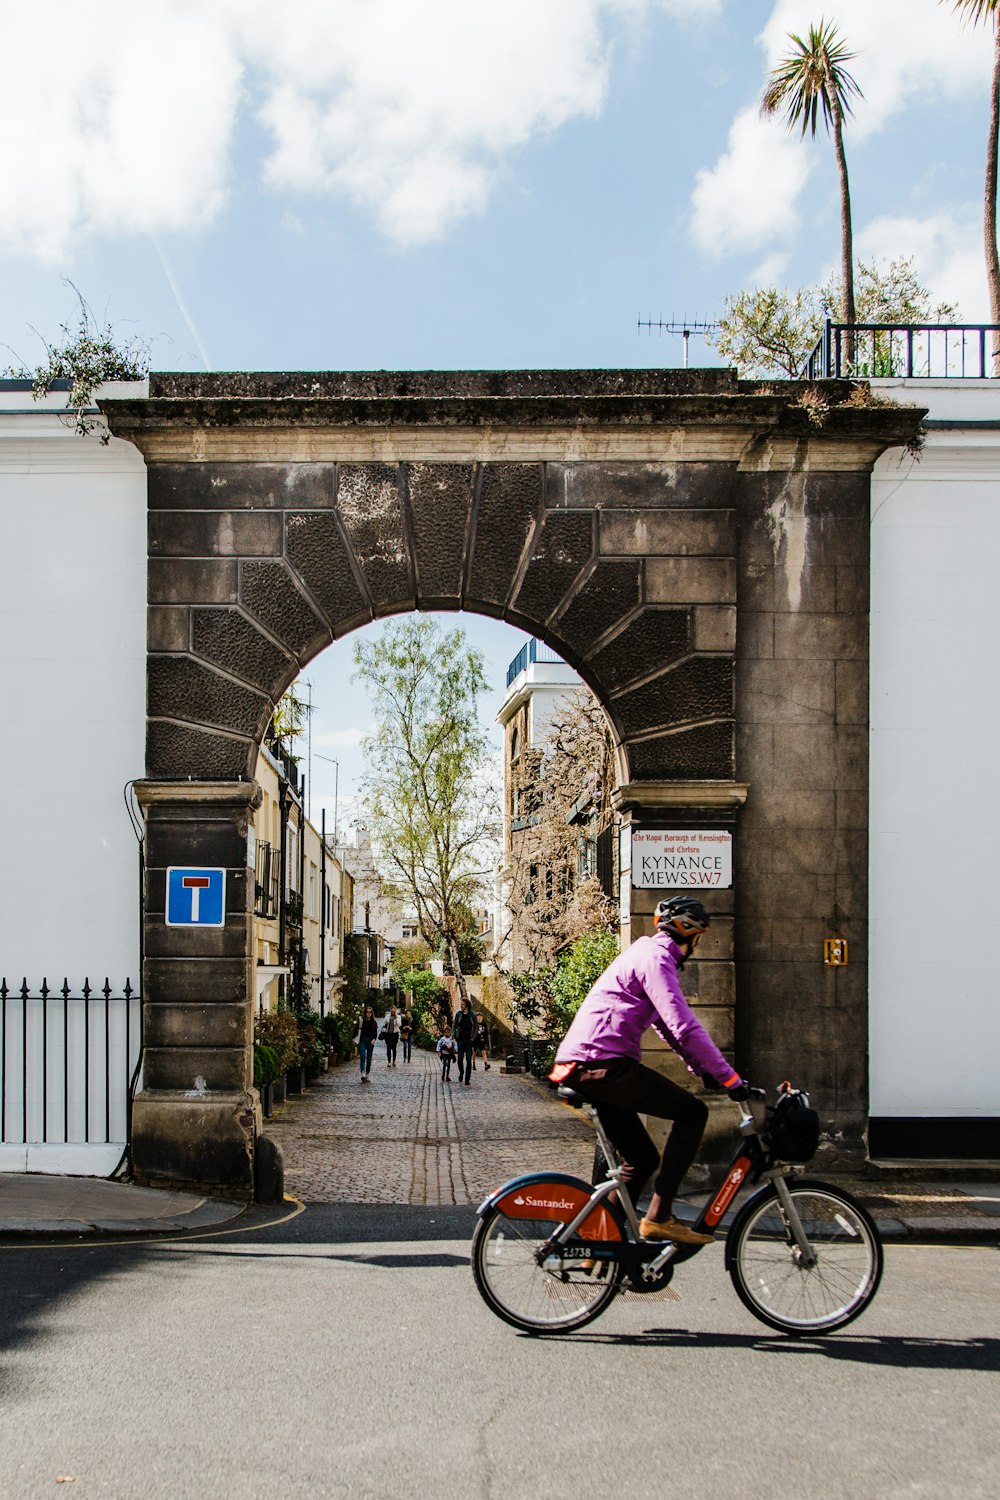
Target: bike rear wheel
pixel 507 1265
pixel 774 1280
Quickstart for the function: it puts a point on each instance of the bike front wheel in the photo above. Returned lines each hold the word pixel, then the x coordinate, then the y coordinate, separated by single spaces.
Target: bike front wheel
pixel 522 1287
pixel 795 1292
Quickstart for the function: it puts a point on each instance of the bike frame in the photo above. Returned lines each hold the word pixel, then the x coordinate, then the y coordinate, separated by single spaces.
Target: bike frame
pixel 649 1258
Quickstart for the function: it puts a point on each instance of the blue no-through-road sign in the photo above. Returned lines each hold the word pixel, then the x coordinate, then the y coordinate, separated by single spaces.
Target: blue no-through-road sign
pixel 196 897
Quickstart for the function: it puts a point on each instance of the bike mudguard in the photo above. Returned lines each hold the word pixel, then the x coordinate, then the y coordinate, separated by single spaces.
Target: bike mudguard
pixel 559 1197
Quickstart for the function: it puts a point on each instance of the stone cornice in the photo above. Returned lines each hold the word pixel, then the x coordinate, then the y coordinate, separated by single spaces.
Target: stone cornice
pixel 198 793
pixel 668 795
pixel 764 430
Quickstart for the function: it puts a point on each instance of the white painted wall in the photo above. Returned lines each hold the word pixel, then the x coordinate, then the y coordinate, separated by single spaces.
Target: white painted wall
pixel 72 666
pixel 935 729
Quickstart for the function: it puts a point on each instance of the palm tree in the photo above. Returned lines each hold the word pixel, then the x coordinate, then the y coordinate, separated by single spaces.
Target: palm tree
pixel 811 78
pixel 976 11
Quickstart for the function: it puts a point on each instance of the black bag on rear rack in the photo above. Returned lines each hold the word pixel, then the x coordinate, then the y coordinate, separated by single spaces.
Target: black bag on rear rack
pixel 792 1131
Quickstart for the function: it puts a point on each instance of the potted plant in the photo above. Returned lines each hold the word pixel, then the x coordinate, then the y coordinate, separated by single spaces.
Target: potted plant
pixel 279 1030
pixel 265 1072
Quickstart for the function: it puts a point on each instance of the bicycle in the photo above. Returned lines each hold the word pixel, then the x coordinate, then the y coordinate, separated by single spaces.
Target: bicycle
pixel 550 1252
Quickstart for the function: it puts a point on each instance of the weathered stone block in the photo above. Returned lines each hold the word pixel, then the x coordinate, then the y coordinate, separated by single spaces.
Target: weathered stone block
pixel 820 637
pixel 440 500
pixel 699 688
pixel 508 505
pixel 196 1027
pixel 203 1142
pixel 227 639
pixel 195 533
pixel 655 637
pixel 185 580
pixel 181 688
pixel 563 548
pixel 184 750
pixel 200 981
pixel 805 757
pixel 754 635
pixel 690 580
pixel 318 552
pixel 852 691
pixel 610 592
pixel 168 628
pixel 231 486
pixel 632 486
pixel 268 593
pixel 770 694
pixel 704 753
pixel 195 1070
pixel 369 505
pixel 714 627
pixel 667 533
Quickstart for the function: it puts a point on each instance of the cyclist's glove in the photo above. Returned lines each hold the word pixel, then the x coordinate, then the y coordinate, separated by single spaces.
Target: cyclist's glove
pixel 738 1090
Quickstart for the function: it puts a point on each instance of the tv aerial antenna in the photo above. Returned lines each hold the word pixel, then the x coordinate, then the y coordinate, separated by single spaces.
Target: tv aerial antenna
pixel 684 326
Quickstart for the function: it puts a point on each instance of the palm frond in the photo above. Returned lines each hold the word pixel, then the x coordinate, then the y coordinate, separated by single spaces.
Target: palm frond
pixel 813 78
pixel 976 10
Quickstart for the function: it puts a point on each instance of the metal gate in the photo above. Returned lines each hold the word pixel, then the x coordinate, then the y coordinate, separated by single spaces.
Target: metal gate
pixel 67 1061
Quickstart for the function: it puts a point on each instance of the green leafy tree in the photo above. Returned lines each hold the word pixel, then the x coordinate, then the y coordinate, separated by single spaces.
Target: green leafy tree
pixel 547 1000
pixel 87 356
pixel 988 11
pixel 813 81
pixel 428 793
pixel 772 332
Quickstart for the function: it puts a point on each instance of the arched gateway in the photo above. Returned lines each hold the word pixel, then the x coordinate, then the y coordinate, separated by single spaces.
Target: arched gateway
pixel 696 547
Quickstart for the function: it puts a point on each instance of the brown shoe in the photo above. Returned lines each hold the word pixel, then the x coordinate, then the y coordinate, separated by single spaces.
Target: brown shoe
pixel 673 1229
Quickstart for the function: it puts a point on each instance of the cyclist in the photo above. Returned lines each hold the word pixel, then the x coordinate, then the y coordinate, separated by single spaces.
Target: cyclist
pixel 600 1059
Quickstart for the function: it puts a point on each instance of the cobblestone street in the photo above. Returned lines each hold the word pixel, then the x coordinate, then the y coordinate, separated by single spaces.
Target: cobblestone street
pixel 407 1137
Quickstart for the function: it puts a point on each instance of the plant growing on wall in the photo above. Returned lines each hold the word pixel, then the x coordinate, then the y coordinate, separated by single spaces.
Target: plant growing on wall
pixel 87 356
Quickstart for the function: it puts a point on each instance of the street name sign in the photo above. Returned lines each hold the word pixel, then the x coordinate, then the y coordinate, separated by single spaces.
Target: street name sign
pixel 196 897
pixel 664 859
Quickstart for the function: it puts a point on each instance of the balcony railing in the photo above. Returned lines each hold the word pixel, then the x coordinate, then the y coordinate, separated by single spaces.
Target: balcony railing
pixel 533 650
pixel 893 351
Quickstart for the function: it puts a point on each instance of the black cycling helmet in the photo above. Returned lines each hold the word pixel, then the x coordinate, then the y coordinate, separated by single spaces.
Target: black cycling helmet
pixel 682 917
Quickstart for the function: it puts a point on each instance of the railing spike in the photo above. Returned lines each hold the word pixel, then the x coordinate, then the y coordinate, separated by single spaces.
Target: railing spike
pixel 44 991
pixel 24 989
pixel 86 989
pixel 106 992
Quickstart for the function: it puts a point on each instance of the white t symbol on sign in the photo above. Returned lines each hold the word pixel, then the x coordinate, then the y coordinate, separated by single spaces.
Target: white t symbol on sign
pixel 195 884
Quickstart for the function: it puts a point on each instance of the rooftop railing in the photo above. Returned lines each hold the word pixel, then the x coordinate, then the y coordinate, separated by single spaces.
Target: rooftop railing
pixel 894 351
pixel 533 650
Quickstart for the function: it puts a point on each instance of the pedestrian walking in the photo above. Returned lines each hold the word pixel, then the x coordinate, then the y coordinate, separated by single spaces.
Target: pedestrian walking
pixel 367 1033
pixel 481 1043
pixel 390 1034
pixel 406 1034
pixel 464 1027
pixel 446 1050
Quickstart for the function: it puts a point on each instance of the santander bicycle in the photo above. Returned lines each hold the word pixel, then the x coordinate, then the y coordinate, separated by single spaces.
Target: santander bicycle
pixel 551 1252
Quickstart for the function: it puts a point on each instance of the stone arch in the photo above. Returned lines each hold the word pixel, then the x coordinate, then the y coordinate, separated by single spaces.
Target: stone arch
pixel 254 570
pixel 660 530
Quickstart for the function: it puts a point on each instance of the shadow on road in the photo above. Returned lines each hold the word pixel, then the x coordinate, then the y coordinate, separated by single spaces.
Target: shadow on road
pixel 979 1354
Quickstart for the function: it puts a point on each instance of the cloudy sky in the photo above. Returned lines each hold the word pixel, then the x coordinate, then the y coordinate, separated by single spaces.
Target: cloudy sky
pixel 459 183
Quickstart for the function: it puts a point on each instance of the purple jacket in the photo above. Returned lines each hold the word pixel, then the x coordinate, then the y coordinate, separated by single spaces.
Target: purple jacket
pixel 638 990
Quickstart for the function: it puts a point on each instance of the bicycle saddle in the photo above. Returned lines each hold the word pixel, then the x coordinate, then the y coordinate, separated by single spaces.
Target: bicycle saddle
pixel 570 1096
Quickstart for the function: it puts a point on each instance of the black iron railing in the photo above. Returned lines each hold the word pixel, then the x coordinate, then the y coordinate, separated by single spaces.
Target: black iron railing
pixel 888 351
pixel 267 882
pixel 533 650
pixel 66 1063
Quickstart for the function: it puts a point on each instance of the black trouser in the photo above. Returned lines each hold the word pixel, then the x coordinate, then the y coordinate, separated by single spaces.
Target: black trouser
pixel 621 1090
pixel 464 1061
pixel 391 1041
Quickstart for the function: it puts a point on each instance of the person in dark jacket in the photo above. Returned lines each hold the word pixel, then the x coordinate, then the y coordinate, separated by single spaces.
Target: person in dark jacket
pixel 464 1027
pixel 481 1043
pixel 366 1037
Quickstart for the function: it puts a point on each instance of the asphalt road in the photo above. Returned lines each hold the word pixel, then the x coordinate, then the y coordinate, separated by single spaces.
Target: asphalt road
pixel 346 1352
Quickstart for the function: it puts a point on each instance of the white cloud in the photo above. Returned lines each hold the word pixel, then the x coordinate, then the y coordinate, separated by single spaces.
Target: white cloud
pixel 124 117
pixel 128 112
pixel 906 48
pixel 733 209
pixel 947 255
